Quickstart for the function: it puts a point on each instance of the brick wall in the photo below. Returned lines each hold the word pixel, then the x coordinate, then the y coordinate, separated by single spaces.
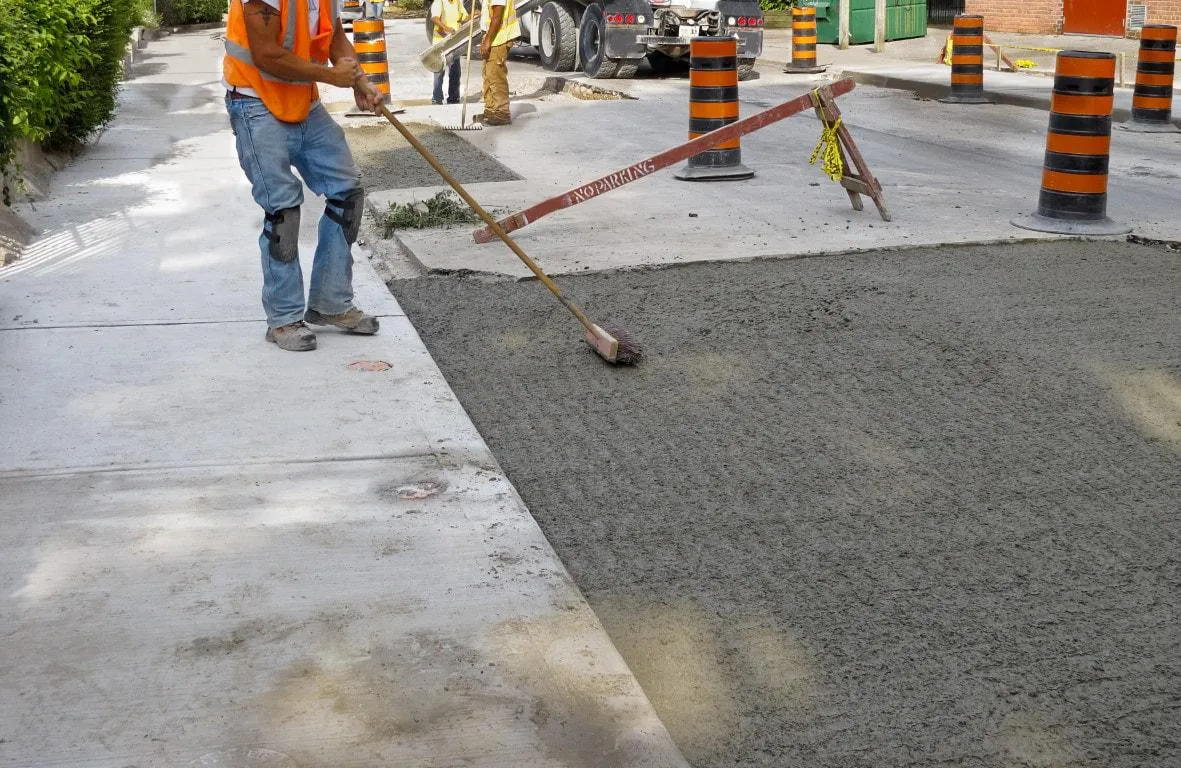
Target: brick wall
pixel 1044 17
pixel 1033 17
pixel 1163 11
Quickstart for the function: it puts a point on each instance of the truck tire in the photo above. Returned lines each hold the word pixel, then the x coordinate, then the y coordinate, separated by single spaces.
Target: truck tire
pixel 746 69
pixel 627 68
pixel 557 36
pixel 592 44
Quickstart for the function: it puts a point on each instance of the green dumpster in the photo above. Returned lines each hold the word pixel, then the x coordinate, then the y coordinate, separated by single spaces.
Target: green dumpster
pixel 904 19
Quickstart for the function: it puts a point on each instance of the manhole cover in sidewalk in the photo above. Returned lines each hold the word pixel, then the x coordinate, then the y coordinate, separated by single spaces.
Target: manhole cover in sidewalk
pixel 376 366
pixel 245 757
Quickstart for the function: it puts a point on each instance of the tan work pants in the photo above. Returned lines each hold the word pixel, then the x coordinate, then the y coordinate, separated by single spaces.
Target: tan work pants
pixel 496 82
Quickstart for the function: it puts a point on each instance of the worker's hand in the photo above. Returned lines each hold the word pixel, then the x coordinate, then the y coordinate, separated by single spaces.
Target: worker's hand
pixel 368 98
pixel 485 47
pixel 346 72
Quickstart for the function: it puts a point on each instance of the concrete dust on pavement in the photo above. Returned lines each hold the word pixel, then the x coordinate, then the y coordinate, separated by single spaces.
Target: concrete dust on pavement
pixel 217 553
pixel 904 508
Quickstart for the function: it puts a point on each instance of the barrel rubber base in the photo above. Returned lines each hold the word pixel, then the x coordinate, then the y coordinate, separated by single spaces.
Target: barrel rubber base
pixel 956 99
pixel 1039 223
pixel 702 173
pixel 1139 126
pixel 792 70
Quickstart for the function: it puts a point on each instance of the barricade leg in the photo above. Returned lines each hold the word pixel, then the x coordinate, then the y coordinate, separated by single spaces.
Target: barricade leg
pixel 1152 101
pixel 713 104
pixel 1073 198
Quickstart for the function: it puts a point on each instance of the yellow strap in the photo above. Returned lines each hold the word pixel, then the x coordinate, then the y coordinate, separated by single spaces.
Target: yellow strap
pixel 828 145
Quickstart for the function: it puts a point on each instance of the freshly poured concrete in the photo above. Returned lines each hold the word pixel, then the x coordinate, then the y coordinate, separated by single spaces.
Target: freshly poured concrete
pixel 217 553
pixel 915 508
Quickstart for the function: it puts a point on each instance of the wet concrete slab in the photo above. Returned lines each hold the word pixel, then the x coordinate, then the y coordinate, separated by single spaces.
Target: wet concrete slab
pixel 904 508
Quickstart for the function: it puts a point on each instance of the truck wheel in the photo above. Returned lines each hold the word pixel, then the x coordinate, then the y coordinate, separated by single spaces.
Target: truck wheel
pixel 557 34
pixel 592 43
pixel 627 68
pixel 746 69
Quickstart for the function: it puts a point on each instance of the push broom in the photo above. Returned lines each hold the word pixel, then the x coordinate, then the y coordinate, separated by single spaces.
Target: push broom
pixel 613 344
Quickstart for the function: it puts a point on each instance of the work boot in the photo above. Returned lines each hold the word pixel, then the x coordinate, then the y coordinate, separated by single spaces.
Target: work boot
pixel 496 119
pixel 353 321
pixel 295 337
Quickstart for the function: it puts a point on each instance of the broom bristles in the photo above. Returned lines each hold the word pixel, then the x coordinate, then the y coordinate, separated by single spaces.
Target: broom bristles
pixel 629 352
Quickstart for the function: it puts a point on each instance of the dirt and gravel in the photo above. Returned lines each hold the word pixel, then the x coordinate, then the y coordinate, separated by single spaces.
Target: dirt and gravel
pixel 911 508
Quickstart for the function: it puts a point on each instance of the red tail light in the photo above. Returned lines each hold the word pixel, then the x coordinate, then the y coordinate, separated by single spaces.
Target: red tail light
pixel 631 18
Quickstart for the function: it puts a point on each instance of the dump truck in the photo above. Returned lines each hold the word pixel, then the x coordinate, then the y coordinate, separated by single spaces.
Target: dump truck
pixel 610 38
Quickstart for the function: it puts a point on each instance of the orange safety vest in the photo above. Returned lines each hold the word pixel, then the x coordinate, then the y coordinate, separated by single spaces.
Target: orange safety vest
pixel 288 100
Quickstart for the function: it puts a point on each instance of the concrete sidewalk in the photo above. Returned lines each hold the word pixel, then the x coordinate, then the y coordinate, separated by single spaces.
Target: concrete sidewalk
pixel 912 65
pixel 216 553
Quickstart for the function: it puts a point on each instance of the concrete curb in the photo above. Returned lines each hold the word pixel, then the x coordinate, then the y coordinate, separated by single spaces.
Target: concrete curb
pixel 933 91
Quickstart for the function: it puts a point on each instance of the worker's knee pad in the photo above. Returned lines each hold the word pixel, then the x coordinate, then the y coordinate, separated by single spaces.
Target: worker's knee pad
pixel 347 212
pixel 283 234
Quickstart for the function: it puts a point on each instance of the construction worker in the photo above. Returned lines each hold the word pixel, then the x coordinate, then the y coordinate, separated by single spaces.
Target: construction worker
pixel 501 27
pixel 276 53
pixel 447 15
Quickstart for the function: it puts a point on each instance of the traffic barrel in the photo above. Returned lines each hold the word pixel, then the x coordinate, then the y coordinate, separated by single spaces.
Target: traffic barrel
pixel 967 61
pixel 369 42
pixel 803 41
pixel 1152 101
pixel 713 104
pixel 1073 197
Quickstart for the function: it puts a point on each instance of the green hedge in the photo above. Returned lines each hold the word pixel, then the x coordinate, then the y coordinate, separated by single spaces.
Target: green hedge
pixel 191 11
pixel 60 68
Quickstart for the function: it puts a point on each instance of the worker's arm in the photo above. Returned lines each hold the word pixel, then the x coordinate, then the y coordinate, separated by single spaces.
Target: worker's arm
pixel 341 50
pixel 437 19
pixel 262 35
pixel 493 27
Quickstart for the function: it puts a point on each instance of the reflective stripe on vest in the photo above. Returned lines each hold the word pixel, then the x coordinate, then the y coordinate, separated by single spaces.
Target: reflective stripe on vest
pixel 288 100
pixel 510 25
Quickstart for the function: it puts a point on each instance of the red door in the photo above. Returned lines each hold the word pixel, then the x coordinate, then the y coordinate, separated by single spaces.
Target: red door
pixel 1094 17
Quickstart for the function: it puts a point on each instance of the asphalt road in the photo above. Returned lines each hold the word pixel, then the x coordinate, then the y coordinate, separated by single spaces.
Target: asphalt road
pixel 908 508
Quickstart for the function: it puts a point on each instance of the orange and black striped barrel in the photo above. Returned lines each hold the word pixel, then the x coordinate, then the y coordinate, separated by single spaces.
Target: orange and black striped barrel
pixel 369 42
pixel 1152 101
pixel 967 60
pixel 1078 143
pixel 713 104
pixel 803 37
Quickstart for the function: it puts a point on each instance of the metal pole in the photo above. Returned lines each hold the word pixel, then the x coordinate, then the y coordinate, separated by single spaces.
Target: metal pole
pixel 843 24
pixel 879 26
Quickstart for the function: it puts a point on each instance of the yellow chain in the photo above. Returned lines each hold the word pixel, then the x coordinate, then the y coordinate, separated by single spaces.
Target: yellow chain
pixel 834 168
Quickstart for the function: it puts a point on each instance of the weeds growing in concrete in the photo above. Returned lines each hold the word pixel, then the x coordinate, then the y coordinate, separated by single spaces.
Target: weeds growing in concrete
pixel 443 210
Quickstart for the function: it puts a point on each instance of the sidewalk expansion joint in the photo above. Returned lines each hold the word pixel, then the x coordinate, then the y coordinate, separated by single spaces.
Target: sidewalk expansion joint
pixel 145 324
pixel 14 474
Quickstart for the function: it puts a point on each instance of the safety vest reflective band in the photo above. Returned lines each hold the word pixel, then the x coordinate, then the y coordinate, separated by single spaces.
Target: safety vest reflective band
pixel 510 25
pixel 288 100
pixel 452 14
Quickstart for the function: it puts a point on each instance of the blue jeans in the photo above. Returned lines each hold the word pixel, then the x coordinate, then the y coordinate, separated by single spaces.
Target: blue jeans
pixel 452 73
pixel 267 151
